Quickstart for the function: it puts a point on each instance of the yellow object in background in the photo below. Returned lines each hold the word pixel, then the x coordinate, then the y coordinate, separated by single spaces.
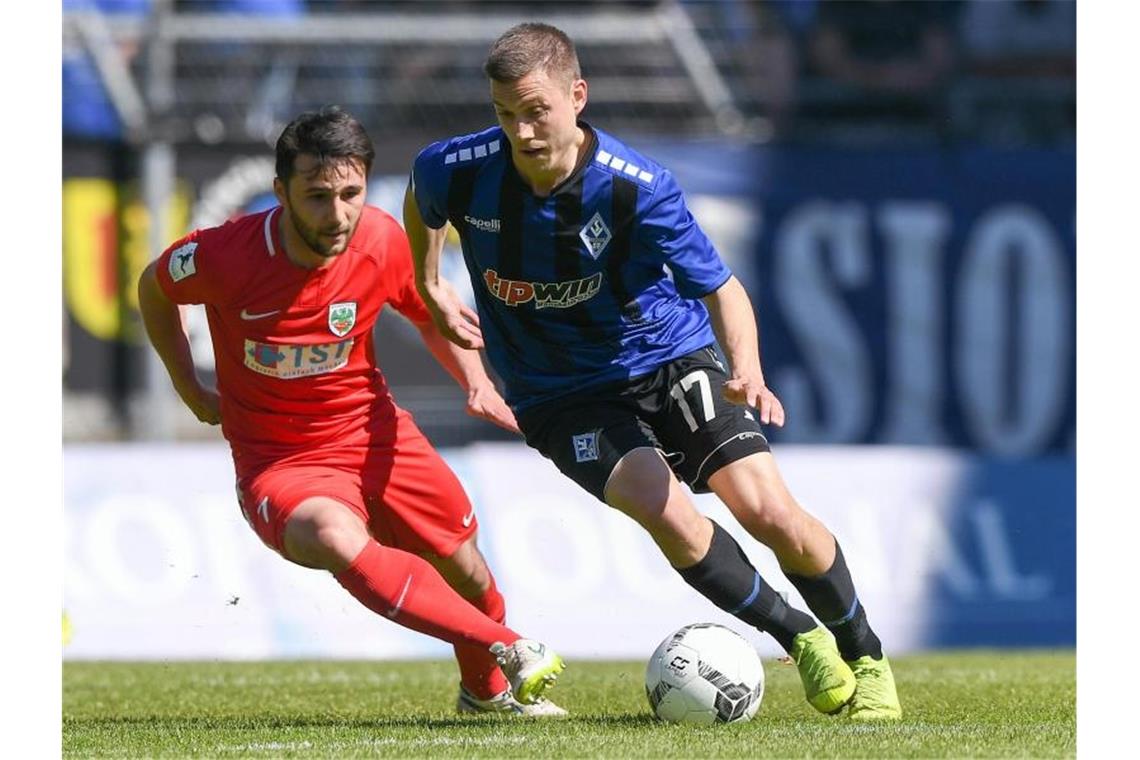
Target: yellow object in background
pixel 100 249
pixel 66 628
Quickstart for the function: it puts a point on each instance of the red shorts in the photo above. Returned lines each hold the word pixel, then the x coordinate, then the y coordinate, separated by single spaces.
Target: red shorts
pixel 398 484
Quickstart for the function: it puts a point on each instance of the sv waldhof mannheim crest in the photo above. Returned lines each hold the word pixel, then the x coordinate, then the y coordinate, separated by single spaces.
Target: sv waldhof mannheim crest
pixel 596 235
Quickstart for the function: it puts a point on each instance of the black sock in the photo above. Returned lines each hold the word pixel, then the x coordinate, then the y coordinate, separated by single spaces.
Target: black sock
pixel 727 579
pixel 832 598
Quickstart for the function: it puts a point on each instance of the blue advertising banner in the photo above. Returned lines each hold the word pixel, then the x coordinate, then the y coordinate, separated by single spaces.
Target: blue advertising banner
pixel 912 296
pixel 1014 524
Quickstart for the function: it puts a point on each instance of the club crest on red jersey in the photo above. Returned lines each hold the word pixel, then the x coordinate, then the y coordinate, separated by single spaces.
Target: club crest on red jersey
pixel 342 316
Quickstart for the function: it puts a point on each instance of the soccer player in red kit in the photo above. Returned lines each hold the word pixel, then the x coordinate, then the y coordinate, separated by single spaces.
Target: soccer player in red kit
pixel 331 473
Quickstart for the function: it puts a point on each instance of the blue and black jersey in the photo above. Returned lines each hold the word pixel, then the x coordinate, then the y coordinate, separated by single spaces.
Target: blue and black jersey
pixel 572 289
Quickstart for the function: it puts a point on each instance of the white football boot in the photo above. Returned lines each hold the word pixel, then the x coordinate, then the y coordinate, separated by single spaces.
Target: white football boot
pixel 506 704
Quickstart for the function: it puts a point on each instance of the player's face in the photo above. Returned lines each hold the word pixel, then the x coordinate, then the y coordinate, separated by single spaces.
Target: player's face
pixel 324 203
pixel 539 115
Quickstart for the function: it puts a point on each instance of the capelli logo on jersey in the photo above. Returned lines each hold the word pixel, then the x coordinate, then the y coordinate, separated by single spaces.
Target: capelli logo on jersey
pixel 557 295
pixel 485 225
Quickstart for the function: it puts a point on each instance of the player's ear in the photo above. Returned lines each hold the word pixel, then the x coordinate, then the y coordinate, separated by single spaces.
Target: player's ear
pixel 578 95
pixel 280 191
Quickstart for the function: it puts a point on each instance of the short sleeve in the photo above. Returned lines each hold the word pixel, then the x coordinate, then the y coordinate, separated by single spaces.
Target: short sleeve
pixel 429 182
pixel 185 271
pixel 669 230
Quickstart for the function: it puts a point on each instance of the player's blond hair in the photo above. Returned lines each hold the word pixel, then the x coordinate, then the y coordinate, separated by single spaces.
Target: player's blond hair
pixel 530 47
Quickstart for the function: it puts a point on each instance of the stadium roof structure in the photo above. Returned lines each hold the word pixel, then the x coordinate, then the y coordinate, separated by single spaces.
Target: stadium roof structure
pixel 414 69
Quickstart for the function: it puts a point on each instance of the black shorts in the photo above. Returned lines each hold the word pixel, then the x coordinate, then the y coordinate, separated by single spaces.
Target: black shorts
pixel 678 408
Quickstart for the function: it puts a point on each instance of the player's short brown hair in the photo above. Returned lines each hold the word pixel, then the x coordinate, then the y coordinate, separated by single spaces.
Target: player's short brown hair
pixel 532 47
pixel 331 134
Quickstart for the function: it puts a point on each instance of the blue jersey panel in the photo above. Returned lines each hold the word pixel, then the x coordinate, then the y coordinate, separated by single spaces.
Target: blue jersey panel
pixel 573 290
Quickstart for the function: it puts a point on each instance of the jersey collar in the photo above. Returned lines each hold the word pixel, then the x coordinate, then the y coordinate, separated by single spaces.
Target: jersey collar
pixel 269 232
pixel 579 170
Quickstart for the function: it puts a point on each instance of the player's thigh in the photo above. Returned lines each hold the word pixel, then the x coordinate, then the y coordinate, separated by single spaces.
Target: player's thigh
pixel 702 431
pixel 645 488
pixel 269 499
pixel 587 438
pixel 414 500
pixel 754 491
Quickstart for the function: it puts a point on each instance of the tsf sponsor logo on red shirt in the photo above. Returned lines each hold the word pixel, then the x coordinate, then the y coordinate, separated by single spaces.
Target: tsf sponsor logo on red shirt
pixel 288 361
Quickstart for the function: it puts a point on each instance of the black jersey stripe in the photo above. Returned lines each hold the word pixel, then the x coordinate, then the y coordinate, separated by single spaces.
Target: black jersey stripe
pixel 511 210
pixel 567 225
pixel 510 224
pixel 623 214
pixel 570 257
pixel 460 191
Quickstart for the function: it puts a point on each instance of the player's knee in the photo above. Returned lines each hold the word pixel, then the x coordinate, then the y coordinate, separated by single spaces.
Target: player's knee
pixel 761 504
pixel 766 525
pixel 772 520
pixel 325 541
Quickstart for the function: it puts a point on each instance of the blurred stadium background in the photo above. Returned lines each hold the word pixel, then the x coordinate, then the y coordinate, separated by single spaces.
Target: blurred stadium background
pixel 894 181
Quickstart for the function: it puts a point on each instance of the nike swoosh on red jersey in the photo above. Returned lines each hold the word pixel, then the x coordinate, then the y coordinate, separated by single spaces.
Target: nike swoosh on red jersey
pixel 246 315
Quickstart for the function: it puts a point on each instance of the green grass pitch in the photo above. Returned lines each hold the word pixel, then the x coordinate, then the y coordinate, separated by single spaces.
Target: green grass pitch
pixel 957 704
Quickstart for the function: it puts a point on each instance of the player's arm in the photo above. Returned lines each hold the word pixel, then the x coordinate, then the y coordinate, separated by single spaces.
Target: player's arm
pixel 163 321
pixel 466 366
pixel 734 323
pixel 457 321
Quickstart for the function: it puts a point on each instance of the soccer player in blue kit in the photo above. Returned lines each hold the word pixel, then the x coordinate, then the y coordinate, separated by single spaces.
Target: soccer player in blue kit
pixel 610 366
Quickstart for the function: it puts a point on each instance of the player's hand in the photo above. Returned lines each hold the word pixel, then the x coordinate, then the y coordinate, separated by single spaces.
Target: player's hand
pixel 456 321
pixel 485 402
pixel 204 403
pixel 752 392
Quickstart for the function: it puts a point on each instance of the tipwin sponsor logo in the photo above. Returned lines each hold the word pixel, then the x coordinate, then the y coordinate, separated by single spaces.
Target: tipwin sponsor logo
pixel 556 295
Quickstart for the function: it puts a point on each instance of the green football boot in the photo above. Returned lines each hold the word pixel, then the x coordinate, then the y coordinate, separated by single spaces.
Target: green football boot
pixel 875 696
pixel 828 681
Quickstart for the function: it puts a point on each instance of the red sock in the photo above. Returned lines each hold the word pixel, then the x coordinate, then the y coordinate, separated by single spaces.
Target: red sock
pixel 409 591
pixel 478 670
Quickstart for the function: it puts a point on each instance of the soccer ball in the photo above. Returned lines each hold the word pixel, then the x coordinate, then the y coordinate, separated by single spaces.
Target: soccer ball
pixel 704 673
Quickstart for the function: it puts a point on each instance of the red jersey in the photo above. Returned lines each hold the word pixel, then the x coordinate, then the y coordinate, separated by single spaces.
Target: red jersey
pixel 296 367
